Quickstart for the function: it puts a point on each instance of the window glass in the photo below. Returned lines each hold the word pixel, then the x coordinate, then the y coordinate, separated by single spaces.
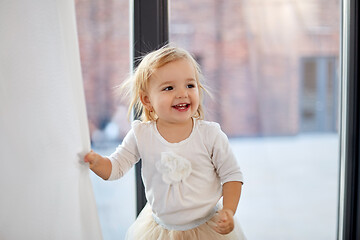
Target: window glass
pixel 103 32
pixel 272 68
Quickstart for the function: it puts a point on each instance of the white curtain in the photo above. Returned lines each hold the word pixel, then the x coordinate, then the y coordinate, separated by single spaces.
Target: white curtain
pixel 45 189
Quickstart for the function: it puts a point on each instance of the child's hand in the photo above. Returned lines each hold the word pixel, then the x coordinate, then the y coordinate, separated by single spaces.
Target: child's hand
pixel 225 221
pixel 100 165
pixel 92 158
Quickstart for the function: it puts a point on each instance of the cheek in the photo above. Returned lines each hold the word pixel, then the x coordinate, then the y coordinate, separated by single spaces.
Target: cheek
pixel 196 96
pixel 162 100
pixel 195 102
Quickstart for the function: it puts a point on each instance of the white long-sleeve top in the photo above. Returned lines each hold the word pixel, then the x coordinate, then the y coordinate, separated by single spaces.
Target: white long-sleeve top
pixel 182 180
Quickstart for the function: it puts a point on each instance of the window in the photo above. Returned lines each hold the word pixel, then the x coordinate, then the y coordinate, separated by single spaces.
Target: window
pixel 319 98
pixel 265 62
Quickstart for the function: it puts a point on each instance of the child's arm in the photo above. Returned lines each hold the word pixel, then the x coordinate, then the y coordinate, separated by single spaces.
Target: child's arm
pixel 231 196
pixel 100 165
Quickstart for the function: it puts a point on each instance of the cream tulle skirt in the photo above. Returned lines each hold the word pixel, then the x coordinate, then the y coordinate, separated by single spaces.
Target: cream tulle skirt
pixel 145 228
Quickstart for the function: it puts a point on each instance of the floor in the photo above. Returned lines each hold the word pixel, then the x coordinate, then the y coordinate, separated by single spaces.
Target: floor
pixel 290 190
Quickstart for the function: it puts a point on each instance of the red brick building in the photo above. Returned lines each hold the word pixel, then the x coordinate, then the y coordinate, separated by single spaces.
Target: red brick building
pixel 271 64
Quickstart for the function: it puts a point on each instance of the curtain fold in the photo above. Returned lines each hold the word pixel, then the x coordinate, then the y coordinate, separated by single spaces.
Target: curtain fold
pixel 45 189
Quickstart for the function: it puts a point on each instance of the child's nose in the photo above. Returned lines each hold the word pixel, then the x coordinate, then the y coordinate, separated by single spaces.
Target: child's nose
pixel 182 93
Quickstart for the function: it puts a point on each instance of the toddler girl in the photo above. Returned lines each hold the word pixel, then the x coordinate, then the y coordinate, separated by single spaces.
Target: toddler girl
pixel 187 164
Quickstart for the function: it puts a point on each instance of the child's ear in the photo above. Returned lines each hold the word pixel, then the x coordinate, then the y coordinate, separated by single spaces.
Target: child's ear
pixel 145 100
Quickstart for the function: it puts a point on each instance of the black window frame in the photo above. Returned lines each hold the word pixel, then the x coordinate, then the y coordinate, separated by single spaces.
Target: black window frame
pixel 149 31
pixel 349 193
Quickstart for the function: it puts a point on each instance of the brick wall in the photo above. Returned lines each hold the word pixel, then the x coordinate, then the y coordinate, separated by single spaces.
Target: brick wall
pixel 249 52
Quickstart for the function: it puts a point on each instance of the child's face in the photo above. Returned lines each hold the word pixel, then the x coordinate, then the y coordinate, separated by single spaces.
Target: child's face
pixel 173 92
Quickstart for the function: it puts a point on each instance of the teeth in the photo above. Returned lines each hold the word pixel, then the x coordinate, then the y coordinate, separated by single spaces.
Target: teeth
pixel 181 106
pixel 184 105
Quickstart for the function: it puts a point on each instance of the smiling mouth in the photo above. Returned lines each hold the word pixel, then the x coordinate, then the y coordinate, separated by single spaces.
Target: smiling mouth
pixel 182 106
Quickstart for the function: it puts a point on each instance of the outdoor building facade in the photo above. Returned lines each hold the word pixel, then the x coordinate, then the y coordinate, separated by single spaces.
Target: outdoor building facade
pixel 270 64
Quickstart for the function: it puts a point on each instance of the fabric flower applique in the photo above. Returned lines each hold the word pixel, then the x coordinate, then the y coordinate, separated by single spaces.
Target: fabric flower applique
pixel 174 168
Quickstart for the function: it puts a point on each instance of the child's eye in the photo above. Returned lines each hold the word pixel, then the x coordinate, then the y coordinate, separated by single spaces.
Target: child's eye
pixel 168 88
pixel 190 85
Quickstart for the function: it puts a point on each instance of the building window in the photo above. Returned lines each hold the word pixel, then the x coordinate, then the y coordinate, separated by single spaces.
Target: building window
pixel 319 98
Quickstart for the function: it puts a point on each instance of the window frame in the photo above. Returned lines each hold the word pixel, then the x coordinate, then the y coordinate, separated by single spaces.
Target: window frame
pixel 349 199
pixel 149 30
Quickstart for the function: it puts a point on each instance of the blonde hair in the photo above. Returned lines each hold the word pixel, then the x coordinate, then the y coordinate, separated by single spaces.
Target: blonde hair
pixel 139 81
